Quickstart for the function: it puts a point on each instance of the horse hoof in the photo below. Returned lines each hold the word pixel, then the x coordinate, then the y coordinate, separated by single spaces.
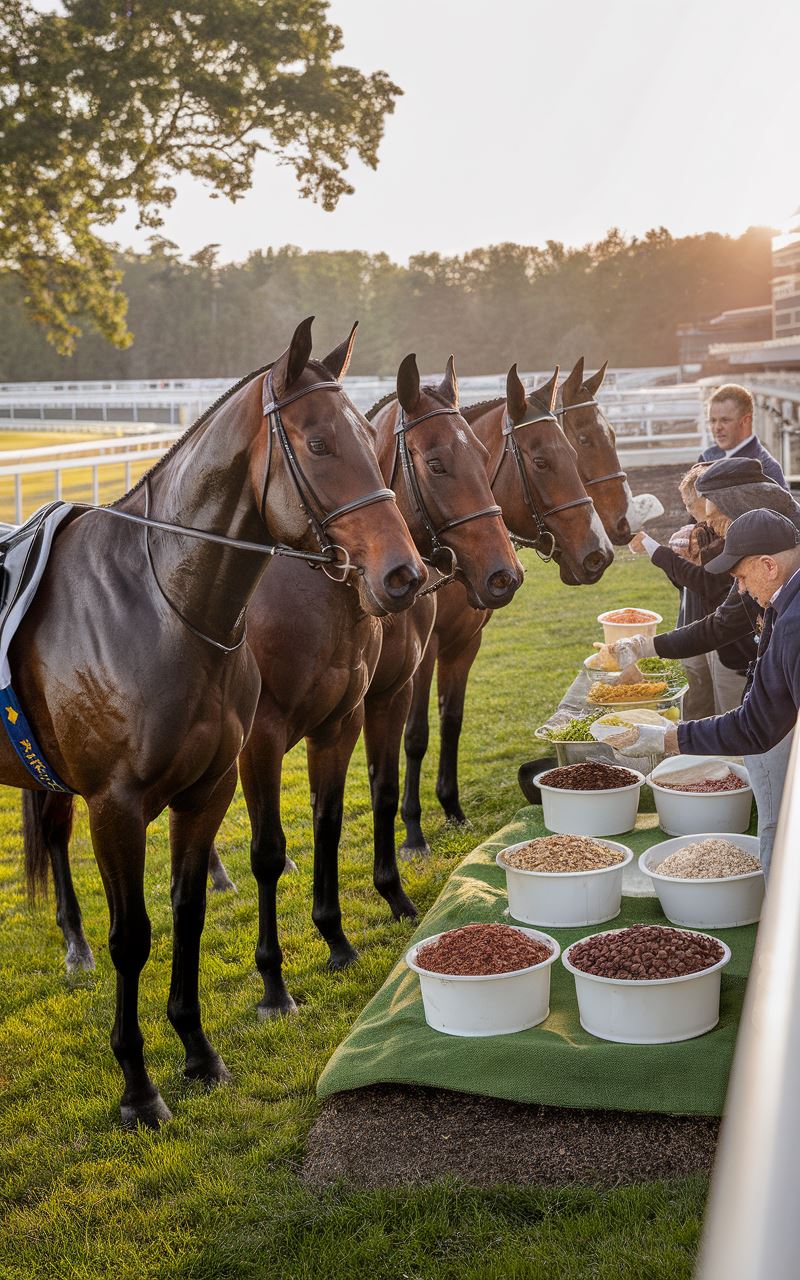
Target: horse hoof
pixel 210 1071
pixel 223 883
pixel 342 958
pixel 403 909
pixel 79 958
pixel 151 1114
pixel 407 851
pixel 269 1012
pixel 289 867
pixel 459 820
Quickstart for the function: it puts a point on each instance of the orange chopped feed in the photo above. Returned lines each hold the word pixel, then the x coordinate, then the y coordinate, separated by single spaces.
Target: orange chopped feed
pixel 629 615
pixel 645 691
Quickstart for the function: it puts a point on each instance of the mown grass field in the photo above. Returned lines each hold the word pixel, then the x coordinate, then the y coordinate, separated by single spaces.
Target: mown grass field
pixel 216 1193
pixel 39 488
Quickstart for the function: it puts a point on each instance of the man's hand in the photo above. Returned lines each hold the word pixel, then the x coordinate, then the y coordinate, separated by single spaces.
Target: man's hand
pixel 628 652
pixel 636 544
pixel 646 740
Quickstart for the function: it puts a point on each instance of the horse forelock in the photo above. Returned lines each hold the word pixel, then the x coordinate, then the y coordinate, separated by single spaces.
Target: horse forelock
pixel 431 391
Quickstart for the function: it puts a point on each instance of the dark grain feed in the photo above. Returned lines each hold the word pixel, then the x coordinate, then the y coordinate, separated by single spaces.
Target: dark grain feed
pixel 731 782
pixel 482 949
pixel 646 952
pixel 590 776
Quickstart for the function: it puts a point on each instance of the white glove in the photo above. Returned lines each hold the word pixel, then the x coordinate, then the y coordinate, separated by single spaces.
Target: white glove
pixel 648 740
pixel 628 652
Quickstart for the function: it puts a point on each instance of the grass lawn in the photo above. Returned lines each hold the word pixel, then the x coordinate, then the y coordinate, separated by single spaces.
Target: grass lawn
pixel 215 1194
pixel 39 488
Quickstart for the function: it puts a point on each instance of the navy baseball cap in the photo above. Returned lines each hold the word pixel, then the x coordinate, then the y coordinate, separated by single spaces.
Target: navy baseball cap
pixel 757 533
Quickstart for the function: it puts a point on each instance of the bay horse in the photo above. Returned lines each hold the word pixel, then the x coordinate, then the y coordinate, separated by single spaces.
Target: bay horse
pixel 458 630
pixel 593 439
pixel 327 669
pixel 132 666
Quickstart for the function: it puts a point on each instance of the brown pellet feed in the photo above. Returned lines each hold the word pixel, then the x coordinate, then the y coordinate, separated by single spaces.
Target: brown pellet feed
pixel 482 949
pixel 730 782
pixel 592 775
pixel 708 860
pixel 562 853
pixel 644 952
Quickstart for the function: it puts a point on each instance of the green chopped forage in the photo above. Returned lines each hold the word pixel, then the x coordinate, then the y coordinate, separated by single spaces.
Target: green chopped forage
pixel 575 730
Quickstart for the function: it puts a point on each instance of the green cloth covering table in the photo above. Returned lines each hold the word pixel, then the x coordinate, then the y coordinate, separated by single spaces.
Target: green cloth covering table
pixel 556 1063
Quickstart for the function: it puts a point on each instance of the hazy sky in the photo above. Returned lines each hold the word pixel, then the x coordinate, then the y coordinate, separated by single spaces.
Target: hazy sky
pixel 528 121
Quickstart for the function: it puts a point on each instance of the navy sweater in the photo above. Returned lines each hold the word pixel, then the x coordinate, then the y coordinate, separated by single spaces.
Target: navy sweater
pixel 753 449
pixel 770 706
pixel 711 590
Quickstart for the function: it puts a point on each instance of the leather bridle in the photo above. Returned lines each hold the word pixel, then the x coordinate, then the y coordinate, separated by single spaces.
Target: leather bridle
pixel 402 454
pixel 586 404
pixel 318 518
pixel 543 535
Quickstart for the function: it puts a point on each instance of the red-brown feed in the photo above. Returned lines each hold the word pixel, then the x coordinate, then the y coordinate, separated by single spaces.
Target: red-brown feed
pixel 731 782
pixel 482 949
pixel 592 775
pixel 646 952
pixel 628 616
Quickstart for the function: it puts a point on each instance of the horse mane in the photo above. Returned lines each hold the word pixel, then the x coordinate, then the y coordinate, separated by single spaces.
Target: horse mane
pixel 481 406
pixel 381 404
pixel 204 416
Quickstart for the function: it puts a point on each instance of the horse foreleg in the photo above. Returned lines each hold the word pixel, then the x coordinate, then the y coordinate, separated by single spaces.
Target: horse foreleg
pixel 453 674
pixel 192 833
pixel 416 744
pixel 383 731
pixel 328 760
pixel 217 874
pixel 118 836
pixel 260 766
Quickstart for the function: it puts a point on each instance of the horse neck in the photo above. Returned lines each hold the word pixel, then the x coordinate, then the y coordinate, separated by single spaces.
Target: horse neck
pixel 489 430
pixel 206 485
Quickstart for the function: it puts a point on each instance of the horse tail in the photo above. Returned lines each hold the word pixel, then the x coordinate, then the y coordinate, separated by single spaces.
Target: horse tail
pixel 43 813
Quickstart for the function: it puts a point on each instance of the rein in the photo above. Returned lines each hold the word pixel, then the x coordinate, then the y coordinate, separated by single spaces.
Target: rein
pixel 543 534
pixel 438 548
pixel 587 404
pixel 318 517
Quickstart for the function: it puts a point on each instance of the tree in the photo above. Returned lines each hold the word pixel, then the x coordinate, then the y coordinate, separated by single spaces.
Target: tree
pixel 109 100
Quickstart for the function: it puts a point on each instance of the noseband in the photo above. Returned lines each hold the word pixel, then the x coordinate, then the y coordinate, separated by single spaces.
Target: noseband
pixel 543 535
pixel 586 404
pixel 438 549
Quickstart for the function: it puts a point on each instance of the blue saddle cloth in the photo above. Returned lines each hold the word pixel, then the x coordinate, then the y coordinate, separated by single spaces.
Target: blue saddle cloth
pixel 24 552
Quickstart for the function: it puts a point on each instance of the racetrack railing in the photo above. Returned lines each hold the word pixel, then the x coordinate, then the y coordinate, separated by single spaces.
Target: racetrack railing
pixel 752 1227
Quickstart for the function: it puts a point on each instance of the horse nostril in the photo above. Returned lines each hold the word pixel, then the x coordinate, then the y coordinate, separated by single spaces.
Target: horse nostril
pixel 595 562
pixel 402 581
pixel 501 582
pixel 623 528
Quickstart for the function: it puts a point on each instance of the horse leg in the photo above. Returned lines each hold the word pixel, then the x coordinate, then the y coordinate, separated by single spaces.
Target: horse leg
pixel 220 880
pixel 453 674
pixel 47 826
pixel 383 733
pixel 260 766
pixel 328 759
pixel 191 835
pixel 118 836
pixel 416 744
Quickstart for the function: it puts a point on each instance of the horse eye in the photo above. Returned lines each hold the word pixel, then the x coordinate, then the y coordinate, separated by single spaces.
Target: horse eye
pixel 541 464
pixel 436 467
pixel 318 446
pixel 584 440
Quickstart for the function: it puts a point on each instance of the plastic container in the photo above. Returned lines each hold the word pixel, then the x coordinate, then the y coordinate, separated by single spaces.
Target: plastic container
pixel 664 700
pixel 650 1010
pixel 686 813
pixel 564 899
pixel 720 903
pixel 495 1004
pixel 590 813
pixel 621 630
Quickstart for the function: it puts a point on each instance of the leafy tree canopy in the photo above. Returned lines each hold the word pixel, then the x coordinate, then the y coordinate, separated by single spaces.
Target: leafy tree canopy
pixel 104 102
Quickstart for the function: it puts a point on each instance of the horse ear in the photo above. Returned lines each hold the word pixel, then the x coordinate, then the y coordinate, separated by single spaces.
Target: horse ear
pixel 288 367
pixel 449 383
pixel 408 384
pixel 336 361
pixel 549 391
pixel 516 400
pixel 595 382
pixel 573 382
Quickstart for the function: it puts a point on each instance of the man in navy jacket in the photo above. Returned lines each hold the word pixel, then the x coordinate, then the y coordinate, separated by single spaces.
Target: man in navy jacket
pixel 762 552
pixel 730 416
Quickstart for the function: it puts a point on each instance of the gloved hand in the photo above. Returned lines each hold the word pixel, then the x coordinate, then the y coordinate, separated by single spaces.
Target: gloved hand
pixel 628 652
pixel 640 740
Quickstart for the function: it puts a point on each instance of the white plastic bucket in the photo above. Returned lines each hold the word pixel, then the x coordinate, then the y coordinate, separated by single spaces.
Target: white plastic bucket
pixel 495 1004
pixel 650 1010
pixel 590 813
pixel 621 630
pixel 562 899
pixel 686 813
pixel 720 903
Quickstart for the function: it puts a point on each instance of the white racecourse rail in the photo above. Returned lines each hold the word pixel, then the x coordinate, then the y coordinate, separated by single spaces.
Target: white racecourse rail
pixel 657 421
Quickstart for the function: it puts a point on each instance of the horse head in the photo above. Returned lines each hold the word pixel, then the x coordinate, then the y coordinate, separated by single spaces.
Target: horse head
pixel 593 439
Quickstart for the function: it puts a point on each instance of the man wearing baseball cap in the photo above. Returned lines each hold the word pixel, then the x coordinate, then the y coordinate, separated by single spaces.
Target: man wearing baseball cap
pixel 762 552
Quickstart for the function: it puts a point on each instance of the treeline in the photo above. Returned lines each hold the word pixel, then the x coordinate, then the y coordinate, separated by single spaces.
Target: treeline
pixel 619 299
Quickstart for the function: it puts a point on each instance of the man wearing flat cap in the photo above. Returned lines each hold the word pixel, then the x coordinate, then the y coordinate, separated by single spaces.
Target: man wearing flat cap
pixel 762 553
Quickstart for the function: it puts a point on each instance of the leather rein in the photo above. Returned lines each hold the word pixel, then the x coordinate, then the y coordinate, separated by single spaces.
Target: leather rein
pixel 586 404
pixel 439 549
pixel 543 535
pixel 318 518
